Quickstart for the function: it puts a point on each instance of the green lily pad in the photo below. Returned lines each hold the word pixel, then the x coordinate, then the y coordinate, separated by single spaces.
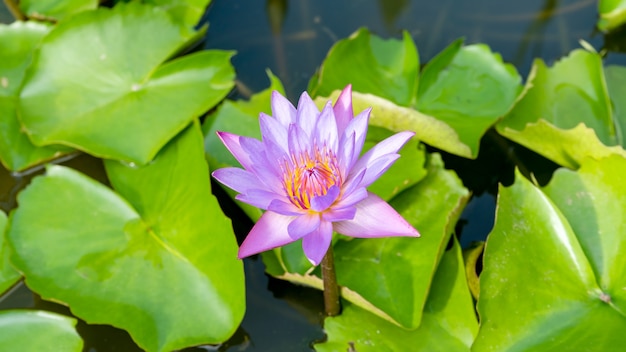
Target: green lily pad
pixel 55 9
pixel 386 68
pixel 553 262
pixel 448 324
pixel 616 84
pixel 8 275
pixel 158 258
pixel 556 102
pixel 188 12
pixel 612 14
pixel 469 88
pixel 391 276
pixel 462 92
pixel 119 99
pixel 22 330
pixel 17 43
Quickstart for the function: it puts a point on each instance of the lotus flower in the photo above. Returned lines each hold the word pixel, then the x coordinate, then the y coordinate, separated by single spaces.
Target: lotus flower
pixel 306 173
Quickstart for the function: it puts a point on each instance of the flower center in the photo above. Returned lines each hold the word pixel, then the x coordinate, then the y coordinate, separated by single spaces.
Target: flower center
pixel 309 175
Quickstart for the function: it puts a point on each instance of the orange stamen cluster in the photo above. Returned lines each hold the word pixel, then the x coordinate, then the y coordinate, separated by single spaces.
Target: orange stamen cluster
pixel 309 175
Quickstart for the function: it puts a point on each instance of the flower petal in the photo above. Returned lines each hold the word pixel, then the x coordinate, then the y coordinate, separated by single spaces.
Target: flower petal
pixel 232 143
pixel 350 199
pixel 389 145
pixel 315 244
pixel 307 114
pixel 270 231
pixel 285 208
pixel 298 141
pixel 321 203
pixel 358 128
pixel 375 218
pixel 235 178
pixel 334 215
pixel 303 225
pixel 273 130
pixel 326 129
pixel 343 109
pixel 258 198
pixel 282 109
pixel 377 168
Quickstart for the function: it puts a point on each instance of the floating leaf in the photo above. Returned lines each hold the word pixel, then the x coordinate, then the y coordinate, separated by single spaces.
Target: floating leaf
pixel 188 12
pixel 119 99
pixel 17 43
pixel 399 270
pixel 469 88
pixel 547 119
pixel 553 261
pixel 55 9
pixel 386 68
pixel 612 14
pixel 114 257
pixel 462 92
pixel 616 84
pixel 448 324
pixel 391 276
pixel 8 275
pixel 39 331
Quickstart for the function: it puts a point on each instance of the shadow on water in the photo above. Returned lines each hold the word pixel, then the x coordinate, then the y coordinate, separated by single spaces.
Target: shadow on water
pixel 292 38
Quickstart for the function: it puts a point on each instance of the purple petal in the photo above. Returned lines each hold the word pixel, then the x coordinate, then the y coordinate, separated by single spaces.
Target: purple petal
pixel 233 144
pixel 285 208
pixel 270 231
pixel 238 179
pixel 298 141
pixel 315 245
pixel 343 109
pixel 307 114
pixel 375 218
pixel 267 171
pixel 334 215
pixel 321 203
pixel 352 198
pixel 390 145
pixel 326 129
pixel 282 109
pixel 258 198
pixel 377 168
pixel 273 130
pixel 303 225
pixel 358 128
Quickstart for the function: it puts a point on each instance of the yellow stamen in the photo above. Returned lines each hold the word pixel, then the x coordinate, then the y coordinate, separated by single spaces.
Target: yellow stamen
pixel 309 175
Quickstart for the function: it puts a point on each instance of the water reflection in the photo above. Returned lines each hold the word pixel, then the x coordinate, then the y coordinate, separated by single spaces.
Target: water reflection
pixel 520 31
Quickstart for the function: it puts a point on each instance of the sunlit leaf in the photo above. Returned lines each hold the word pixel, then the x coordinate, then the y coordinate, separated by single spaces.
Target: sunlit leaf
pixel 386 68
pixel 55 9
pixel 8 275
pixel 558 99
pixel 17 43
pixel 469 88
pixel 462 92
pixel 158 258
pixel 22 330
pixel 188 12
pixel 448 324
pixel 612 14
pixel 554 262
pixel 119 98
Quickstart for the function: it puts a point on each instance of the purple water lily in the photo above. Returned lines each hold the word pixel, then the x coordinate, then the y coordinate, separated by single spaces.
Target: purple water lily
pixel 306 172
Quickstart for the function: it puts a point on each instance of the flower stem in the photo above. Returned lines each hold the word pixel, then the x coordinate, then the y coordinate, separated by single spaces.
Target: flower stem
pixel 14 9
pixel 331 289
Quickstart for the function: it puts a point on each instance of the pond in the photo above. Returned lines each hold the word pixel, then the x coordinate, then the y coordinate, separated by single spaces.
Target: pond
pixel 292 39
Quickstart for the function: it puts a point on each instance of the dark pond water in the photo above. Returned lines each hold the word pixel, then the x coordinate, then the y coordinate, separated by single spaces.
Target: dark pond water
pixel 292 38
